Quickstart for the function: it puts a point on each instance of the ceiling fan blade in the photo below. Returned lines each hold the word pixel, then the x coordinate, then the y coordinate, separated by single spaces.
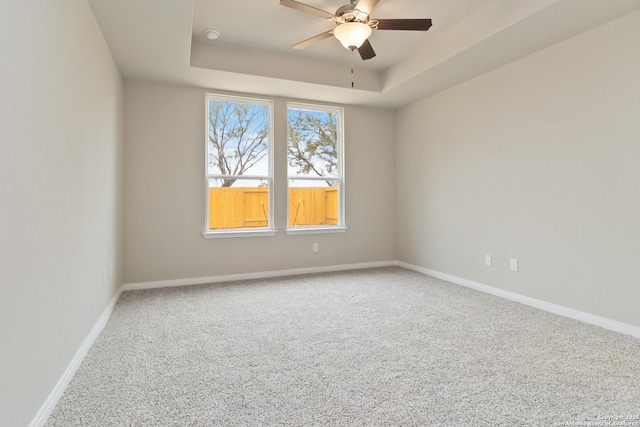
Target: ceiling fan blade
pixel 366 6
pixel 404 24
pixel 366 51
pixel 306 8
pixel 312 40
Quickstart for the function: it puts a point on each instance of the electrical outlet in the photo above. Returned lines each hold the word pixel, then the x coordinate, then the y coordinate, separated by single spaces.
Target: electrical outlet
pixel 315 247
pixel 487 260
pixel 513 263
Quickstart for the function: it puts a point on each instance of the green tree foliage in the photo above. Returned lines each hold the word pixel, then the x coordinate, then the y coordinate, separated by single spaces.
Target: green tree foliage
pixel 312 142
pixel 238 137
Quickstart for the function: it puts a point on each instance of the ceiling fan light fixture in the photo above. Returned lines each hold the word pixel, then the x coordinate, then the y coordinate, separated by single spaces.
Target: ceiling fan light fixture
pixel 352 34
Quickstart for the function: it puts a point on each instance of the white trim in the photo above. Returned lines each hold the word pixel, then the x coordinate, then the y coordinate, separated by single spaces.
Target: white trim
pixel 314 230
pixel 312 178
pixel 248 276
pixel 340 178
pixel 222 234
pixel 270 104
pixel 592 319
pixel 52 400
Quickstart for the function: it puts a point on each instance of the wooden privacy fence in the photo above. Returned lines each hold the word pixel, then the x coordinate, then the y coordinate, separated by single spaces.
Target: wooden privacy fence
pixel 239 207
pixel 313 205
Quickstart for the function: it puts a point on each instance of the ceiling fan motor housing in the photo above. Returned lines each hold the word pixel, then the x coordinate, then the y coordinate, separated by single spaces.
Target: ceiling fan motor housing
pixel 349 13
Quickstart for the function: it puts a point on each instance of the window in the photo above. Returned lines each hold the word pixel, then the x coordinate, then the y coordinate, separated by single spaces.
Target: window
pixel 315 169
pixel 239 175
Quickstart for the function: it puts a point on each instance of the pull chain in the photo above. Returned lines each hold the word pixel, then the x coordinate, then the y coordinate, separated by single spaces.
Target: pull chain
pixel 352 50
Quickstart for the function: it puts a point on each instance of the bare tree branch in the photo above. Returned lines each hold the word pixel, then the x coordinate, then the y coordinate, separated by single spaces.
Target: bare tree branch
pixel 238 137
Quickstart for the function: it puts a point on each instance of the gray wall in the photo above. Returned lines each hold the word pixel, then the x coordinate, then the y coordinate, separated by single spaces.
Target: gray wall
pixel 165 193
pixel 540 161
pixel 60 193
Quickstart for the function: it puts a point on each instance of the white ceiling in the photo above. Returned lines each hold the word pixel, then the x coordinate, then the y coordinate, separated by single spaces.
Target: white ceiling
pixel 164 41
pixel 280 27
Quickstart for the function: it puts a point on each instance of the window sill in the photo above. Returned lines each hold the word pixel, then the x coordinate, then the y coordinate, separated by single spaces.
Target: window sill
pixel 238 233
pixel 314 230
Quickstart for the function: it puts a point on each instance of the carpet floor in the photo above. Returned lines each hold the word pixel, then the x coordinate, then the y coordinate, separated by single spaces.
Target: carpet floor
pixel 383 346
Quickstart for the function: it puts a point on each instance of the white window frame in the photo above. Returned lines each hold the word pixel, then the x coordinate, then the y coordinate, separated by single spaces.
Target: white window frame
pixel 340 227
pixel 269 230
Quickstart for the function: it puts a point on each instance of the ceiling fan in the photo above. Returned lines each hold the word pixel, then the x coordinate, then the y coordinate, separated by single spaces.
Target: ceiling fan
pixel 354 25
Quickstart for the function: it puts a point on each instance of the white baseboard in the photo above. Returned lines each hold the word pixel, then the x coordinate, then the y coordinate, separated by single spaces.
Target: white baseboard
pixel 592 319
pixel 52 400
pixel 248 276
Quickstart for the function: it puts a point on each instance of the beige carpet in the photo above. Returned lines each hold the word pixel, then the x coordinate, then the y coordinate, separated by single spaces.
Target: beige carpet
pixel 371 347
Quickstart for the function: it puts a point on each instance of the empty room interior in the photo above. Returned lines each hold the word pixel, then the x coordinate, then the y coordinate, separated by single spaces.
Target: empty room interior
pixel 326 212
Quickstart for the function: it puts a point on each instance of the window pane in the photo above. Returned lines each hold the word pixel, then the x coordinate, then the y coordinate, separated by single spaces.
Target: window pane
pixel 313 202
pixel 238 138
pixel 312 142
pixel 240 204
pixel 239 163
